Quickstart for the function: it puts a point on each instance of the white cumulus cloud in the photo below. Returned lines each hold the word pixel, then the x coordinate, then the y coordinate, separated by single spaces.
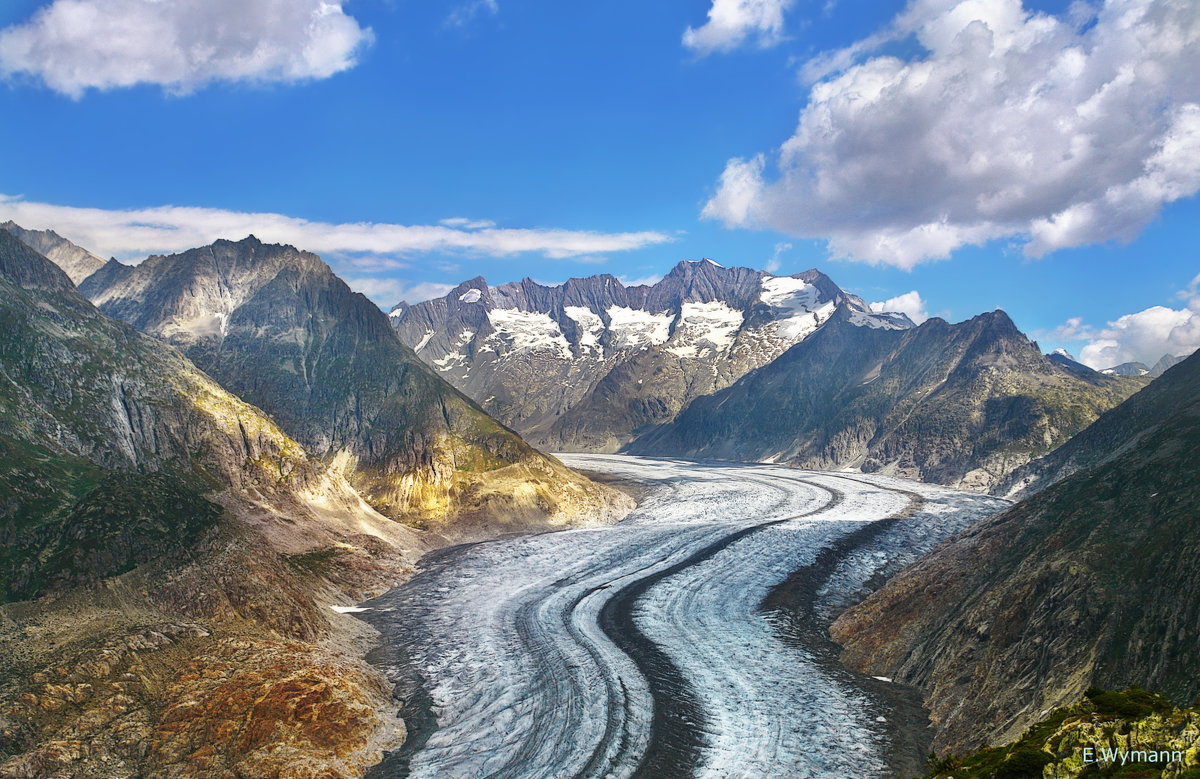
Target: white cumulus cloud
pixel 1144 336
pixel 1053 131
pixel 75 45
pixel 135 233
pixel 909 303
pixel 732 23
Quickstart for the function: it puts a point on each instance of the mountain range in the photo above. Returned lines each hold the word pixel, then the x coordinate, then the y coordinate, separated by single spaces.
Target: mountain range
pixel 588 364
pixel 78 263
pixel 959 404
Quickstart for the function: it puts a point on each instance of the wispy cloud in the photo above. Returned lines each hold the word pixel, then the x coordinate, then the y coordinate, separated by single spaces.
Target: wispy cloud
pixel 1053 131
pixel 776 262
pixel 733 23
pixel 75 45
pixel 640 281
pixel 468 11
pixel 135 233
pixel 388 292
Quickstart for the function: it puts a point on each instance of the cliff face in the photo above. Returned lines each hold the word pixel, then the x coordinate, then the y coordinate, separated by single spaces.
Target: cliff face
pixel 276 326
pixel 588 364
pixel 1094 580
pixel 167 555
pixel 960 404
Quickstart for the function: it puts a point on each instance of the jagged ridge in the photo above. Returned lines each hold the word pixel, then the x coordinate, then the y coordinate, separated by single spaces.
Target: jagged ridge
pixel 586 365
pixel 958 404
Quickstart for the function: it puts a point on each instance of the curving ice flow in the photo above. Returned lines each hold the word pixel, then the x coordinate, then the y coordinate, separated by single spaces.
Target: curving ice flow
pixel 645 648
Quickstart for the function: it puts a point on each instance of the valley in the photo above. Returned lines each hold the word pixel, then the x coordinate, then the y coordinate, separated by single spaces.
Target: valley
pixel 645 648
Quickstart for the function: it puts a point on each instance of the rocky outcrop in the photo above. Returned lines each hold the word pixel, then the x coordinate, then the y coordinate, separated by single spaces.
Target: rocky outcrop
pixel 590 363
pixel 960 404
pixel 78 263
pixel 276 326
pixel 1094 580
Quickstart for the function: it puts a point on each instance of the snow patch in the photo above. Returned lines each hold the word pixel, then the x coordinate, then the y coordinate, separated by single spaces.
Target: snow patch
pixel 631 327
pixel 789 293
pixel 471 296
pixel 705 327
pixel 876 321
pixel 456 357
pixel 591 327
pixel 349 609
pixel 528 331
pixel 424 340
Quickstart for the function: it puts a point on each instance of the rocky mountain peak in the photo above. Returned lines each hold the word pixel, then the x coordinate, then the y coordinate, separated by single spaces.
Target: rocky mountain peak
pixel 77 262
pixel 1165 363
pixel 26 268
pixel 594 359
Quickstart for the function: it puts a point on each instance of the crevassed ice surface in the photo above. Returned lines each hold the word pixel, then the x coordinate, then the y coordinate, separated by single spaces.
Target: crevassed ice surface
pixel 524 682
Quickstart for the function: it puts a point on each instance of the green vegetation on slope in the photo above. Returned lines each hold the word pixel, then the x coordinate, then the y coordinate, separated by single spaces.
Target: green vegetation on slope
pixel 1133 734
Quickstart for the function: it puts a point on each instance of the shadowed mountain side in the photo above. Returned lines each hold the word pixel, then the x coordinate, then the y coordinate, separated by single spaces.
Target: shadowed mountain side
pixel 959 404
pixel 1094 580
pixel 276 326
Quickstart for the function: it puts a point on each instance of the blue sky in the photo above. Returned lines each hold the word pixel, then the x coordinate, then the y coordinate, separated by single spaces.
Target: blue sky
pixel 565 139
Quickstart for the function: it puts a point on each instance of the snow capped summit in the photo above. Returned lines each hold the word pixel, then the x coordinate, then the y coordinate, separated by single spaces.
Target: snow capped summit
pixel 586 363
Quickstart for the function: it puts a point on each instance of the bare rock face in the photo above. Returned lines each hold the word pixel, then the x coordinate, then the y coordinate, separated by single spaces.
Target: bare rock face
pixel 78 263
pixel 276 326
pixel 589 364
pixel 1093 580
pixel 960 404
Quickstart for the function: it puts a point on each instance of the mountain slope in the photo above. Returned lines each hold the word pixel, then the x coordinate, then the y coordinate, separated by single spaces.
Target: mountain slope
pixel 78 263
pixel 276 326
pixel 956 404
pixel 1110 435
pixel 1095 580
pixel 180 548
pixel 586 365
pixel 1164 363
